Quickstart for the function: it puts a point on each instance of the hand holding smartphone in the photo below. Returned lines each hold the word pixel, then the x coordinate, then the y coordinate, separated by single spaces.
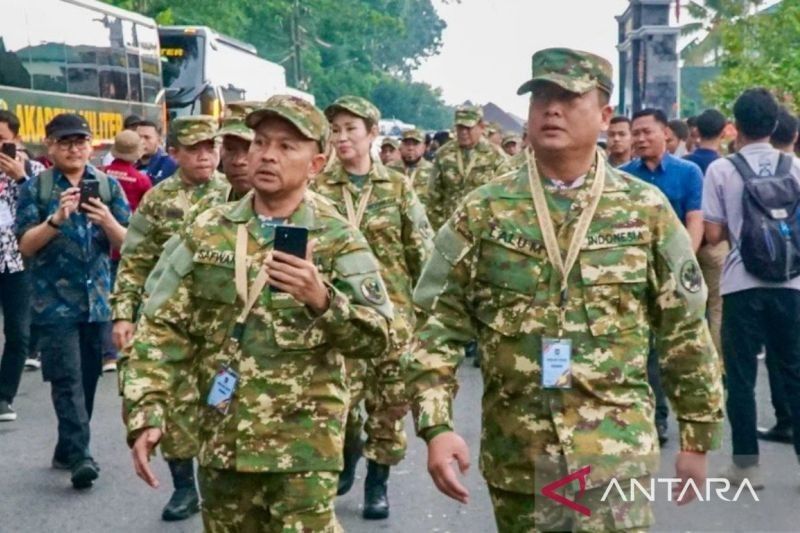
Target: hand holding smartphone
pixel 89 189
pixel 291 240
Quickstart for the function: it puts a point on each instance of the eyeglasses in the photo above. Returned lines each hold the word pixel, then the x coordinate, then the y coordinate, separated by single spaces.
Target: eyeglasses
pixel 76 142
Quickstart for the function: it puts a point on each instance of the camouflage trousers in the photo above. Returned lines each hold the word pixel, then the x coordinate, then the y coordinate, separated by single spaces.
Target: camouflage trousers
pixel 244 502
pixel 381 387
pixel 515 512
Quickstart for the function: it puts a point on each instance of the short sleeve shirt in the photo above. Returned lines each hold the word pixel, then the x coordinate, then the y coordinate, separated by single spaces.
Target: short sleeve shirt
pixel 680 181
pixel 722 204
pixel 70 274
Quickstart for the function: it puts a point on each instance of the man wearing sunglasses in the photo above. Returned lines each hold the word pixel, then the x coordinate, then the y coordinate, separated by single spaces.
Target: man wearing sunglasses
pixel 68 218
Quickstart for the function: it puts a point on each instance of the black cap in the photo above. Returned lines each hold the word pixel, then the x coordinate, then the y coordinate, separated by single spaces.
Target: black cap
pixel 67 124
pixel 131 121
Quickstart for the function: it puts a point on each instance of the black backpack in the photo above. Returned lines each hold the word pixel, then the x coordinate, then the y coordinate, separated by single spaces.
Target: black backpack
pixel 770 240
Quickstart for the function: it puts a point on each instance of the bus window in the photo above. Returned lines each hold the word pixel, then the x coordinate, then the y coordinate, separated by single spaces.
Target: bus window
pixel 14 49
pixel 181 60
pixel 134 77
pixel 150 62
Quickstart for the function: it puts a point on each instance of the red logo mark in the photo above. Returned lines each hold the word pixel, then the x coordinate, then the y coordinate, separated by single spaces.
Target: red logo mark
pixel 581 475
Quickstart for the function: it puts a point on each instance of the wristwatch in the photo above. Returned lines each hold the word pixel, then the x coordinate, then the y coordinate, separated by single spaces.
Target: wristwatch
pixel 52 224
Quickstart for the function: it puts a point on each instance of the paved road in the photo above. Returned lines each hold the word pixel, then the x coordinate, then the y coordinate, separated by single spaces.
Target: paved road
pixel 34 498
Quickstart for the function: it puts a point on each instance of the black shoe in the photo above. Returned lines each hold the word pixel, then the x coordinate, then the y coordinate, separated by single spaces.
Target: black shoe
pixel 376 500
pixel 7 414
pixel 59 464
pixel 84 472
pixel 352 453
pixel 777 433
pixel 184 501
pixel 661 429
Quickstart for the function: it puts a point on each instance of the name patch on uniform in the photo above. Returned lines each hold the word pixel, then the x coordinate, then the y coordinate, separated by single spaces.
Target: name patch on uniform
pixel 615 237
pixel 214 257
pixel 516 240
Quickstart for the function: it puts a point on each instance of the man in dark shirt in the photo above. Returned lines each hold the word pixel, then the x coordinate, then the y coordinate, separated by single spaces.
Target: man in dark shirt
pixel 682 184
pixel 67 245
pixel 155 162
pixel 710 126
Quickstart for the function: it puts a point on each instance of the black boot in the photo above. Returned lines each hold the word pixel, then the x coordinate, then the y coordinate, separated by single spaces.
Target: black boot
pixel 352 453
pixel 376 501
pixel 184 501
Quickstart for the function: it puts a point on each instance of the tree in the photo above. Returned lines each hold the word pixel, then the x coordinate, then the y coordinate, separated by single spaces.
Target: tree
pixel 710 16
pixel 329 47
pixel 760 50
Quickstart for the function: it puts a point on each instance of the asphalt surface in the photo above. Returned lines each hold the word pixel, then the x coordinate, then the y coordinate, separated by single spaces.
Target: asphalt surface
pixel 35 498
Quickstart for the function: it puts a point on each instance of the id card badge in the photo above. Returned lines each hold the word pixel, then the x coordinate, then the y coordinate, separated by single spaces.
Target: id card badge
pixel 556 363
pixel 222 389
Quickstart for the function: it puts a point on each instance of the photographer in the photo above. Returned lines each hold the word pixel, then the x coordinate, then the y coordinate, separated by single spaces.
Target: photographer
pixel 67 219
pixel 14 283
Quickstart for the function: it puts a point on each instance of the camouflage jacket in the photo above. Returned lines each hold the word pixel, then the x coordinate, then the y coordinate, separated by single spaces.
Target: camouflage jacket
pixel 288 409
pixel 490 277
pixel 162 213
pixel 419 176
pixel 395 227
pixel 447 186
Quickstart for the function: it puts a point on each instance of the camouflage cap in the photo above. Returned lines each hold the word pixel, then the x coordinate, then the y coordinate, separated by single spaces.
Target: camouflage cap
pixel 303 115
pixel 233 121
pixel 413 135
pixel 576 71
pixel 494 127
pixel 188 131
pixel 390 141
pixel 468 115
pixel 511 138
pixel 360 107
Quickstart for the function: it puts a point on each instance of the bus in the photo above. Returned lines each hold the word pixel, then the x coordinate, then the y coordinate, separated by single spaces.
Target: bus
pixel 79 56
pixel 203 69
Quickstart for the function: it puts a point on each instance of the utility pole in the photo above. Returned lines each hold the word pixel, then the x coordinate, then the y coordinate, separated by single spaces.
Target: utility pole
pixel 297 45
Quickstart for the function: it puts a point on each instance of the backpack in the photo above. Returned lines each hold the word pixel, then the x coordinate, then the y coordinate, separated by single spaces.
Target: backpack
pixel 46 187
pixel 770 240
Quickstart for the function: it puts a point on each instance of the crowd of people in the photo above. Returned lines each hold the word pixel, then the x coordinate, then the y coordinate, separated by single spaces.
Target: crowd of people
pixel 274 286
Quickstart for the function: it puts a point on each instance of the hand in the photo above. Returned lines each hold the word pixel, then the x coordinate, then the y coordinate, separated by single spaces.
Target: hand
pixel 442 450
pixel 98 212
pixel 689 465
pixel 13 168
pixel 122 333
pixel 67 204
pixel 298 277
pixel 142 450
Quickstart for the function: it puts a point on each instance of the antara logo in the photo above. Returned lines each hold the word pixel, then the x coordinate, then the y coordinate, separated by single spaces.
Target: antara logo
pixel 713 488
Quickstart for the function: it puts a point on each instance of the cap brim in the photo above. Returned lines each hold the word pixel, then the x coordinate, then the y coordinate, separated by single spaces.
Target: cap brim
pixel 242 132
pixel 564 82
pixel 467 123
pixel 70 132
pixel 183 141
pixel 333 109
pixel 130 157
pixel 254 119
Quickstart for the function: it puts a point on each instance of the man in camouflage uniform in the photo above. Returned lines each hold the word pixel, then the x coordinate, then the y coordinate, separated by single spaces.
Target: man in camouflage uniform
pixel 463 165
pixel 630 270
pixel 413 164
pixel 163 211
pixel 512 145
pixel 390 151
pixel 270 449
pixel 494 134
pixel 397 230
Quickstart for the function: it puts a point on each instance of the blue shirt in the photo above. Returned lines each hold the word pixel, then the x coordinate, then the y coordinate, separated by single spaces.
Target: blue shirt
pixel 680 181
pixel 159 167
pixel 702 157
pixel 70 274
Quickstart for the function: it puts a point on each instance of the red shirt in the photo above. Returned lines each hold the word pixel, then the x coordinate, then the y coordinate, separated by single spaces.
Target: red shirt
pixel 133 182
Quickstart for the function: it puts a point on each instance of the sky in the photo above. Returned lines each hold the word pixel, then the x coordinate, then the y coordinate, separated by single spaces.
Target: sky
pixel 487 45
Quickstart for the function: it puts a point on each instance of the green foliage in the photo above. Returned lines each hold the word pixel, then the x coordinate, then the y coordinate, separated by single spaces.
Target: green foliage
pixel 363 47
pixel 761 50
pixel 710 17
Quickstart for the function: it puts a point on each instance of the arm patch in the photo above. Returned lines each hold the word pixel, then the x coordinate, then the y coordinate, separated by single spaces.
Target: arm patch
pixel 684 269
pixel 361 272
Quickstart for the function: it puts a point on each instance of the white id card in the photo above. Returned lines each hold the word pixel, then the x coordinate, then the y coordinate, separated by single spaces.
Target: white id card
pixel 556 363
pixel 222 389
pixel 6 220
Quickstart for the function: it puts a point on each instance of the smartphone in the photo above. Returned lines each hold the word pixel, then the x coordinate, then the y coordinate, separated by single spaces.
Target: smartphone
pixel 89 189
pixel 290 240
pixel 9 149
